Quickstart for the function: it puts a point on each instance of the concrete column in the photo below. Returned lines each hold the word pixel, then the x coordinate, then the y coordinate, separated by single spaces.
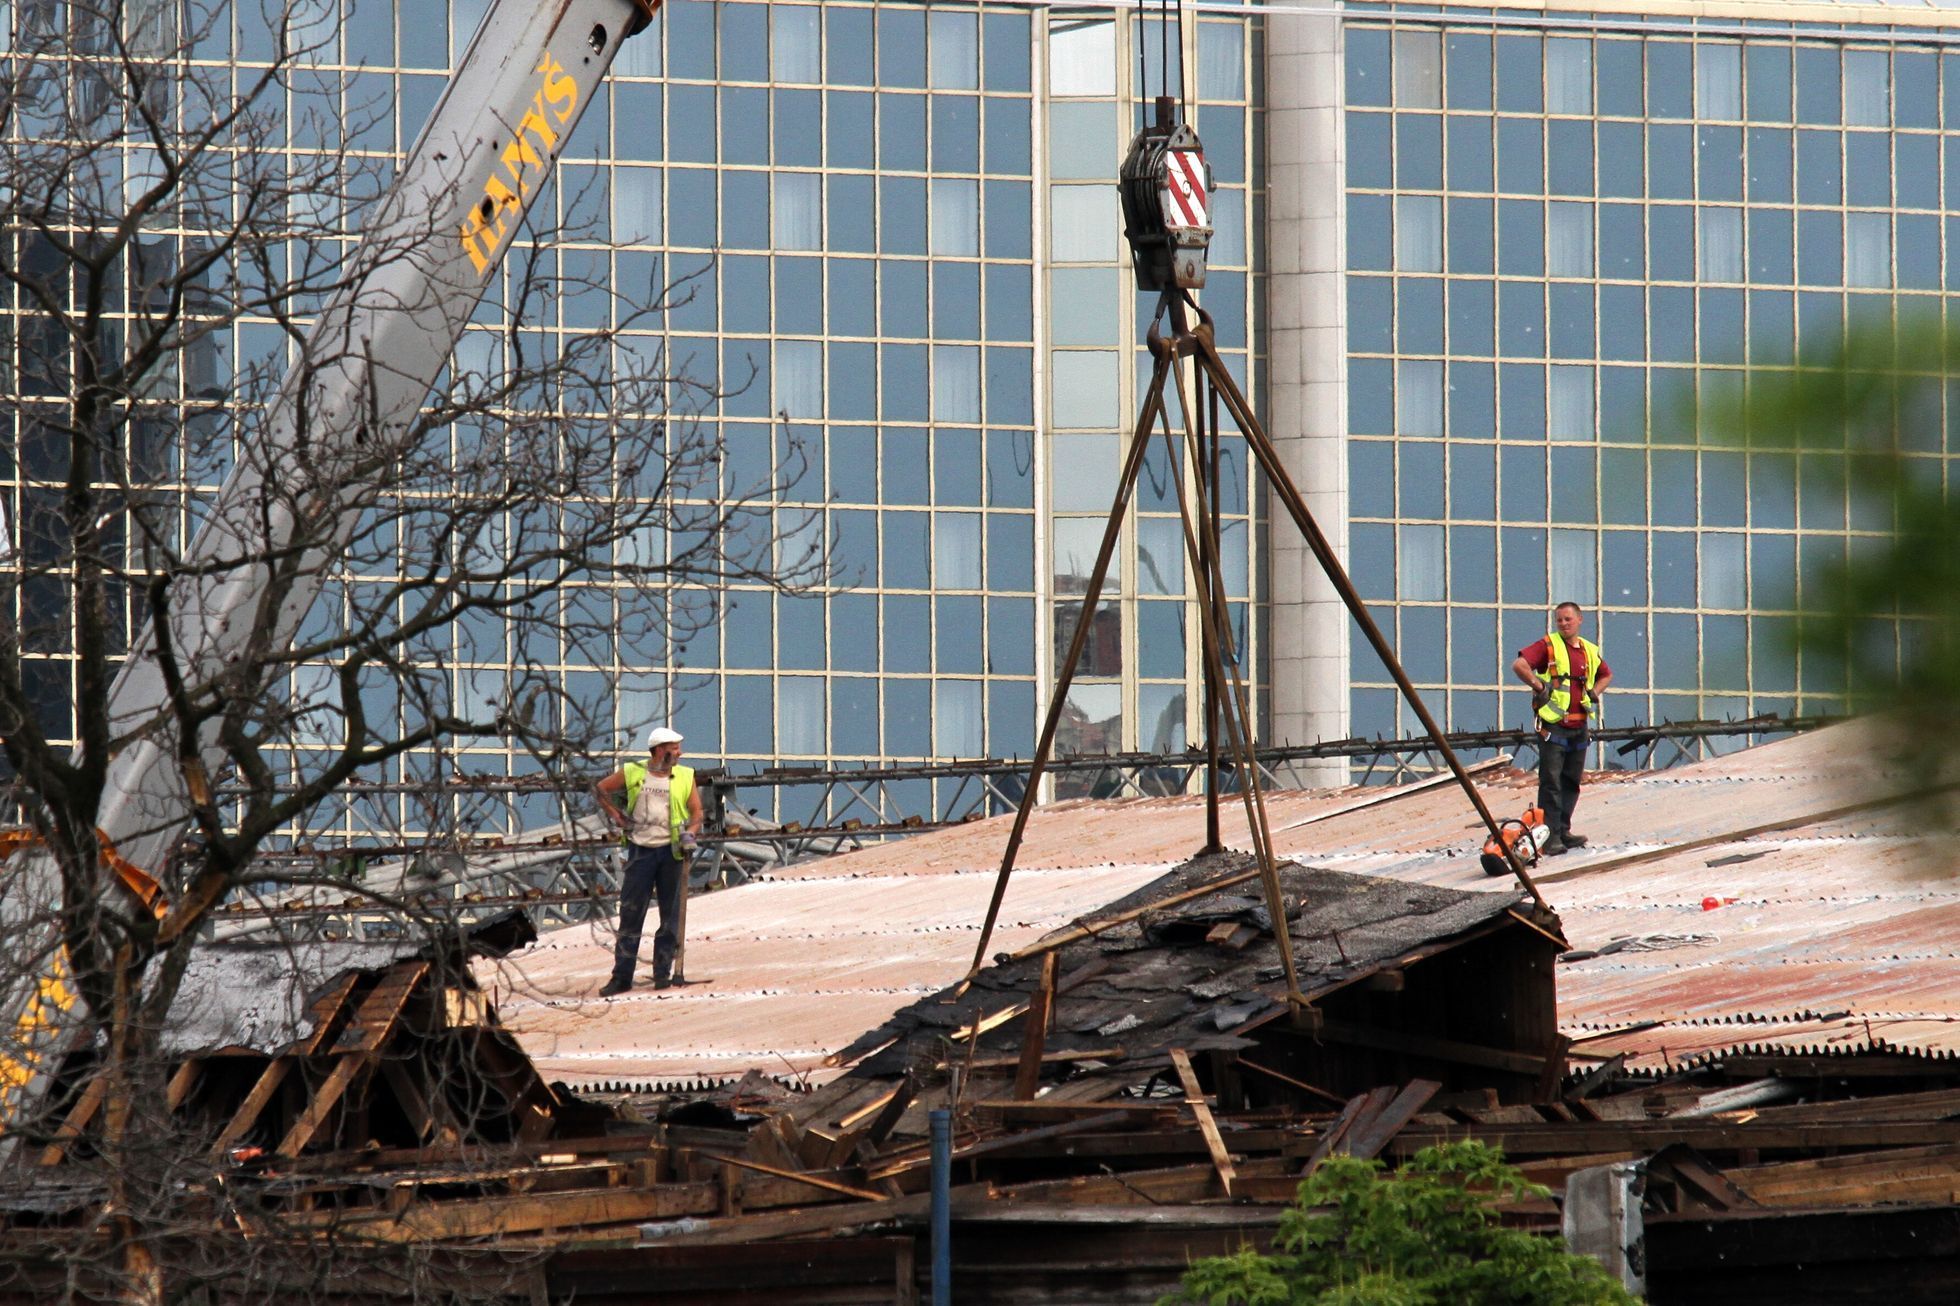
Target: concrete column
pixel 1306 232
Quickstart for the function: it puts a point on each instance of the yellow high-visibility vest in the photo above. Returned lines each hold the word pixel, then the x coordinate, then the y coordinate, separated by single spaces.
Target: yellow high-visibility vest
pixel 1558 701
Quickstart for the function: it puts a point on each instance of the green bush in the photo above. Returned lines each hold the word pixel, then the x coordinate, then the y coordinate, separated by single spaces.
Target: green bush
pixel 1424 1235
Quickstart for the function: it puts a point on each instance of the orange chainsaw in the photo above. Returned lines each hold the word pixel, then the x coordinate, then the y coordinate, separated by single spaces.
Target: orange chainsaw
pixel 1526 835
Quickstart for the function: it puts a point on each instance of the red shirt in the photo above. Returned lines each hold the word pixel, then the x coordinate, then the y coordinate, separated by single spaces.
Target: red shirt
pixel 1539 658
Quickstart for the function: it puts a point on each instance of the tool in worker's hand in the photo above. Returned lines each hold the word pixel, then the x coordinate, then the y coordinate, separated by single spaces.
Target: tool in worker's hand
pixel 1526 835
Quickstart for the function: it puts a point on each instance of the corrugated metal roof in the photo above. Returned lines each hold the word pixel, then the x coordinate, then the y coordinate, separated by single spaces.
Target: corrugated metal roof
pixel 1847 908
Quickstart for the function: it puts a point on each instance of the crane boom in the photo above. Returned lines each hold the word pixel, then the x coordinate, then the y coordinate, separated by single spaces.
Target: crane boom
pixel 370 359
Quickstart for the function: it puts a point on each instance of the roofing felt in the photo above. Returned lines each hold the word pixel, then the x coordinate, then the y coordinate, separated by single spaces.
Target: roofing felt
pixel 1839 934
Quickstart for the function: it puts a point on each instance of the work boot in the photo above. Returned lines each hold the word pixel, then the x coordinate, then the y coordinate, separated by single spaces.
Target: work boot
pixel 663 981
pixel 1574 839
pixel 1553 845
pixel 615 987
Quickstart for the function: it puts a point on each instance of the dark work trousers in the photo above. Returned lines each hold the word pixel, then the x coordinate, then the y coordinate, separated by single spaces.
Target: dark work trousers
pixel 1561 764
pixel 650 873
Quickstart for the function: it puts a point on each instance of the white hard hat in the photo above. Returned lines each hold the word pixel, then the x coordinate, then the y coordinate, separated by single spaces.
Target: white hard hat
pixel 663 735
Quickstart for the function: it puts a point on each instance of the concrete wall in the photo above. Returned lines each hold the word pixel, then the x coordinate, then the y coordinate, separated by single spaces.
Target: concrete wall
pixel 1306 310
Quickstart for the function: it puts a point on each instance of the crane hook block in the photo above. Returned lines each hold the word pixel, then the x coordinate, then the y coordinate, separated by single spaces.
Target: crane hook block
pixel 1166 190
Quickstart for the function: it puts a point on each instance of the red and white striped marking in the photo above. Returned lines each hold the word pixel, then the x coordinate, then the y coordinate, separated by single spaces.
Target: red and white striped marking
pixel 1184 189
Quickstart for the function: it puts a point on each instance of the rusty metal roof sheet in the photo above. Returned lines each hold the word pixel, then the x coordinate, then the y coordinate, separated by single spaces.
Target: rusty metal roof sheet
pixel 1843 914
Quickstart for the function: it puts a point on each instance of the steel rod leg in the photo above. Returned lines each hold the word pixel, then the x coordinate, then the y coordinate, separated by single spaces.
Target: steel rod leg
pixel 1217 643
pixel 1125 486
pixel 1201 585
pixel 1330 564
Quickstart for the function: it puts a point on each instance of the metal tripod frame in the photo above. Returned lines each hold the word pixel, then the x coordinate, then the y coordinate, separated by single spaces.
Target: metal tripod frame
pixel 1225 697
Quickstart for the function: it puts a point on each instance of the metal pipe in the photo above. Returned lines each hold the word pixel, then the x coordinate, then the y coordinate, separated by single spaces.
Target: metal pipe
pixel 941 1123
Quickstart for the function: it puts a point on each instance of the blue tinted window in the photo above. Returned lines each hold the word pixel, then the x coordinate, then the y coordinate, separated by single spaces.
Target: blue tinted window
pixel 1473 393
pixel 1915 88
pixel 901 47
pixel 1820 249
pixel 901 131
pixel 1722 335
pixel 745 293
pixel 1473 311
pixel 852 137
pixel 1369 156
pixel 1616 69
pixel 1673 490
pixel 1671 243
pixel 1520 74
pixel 1771 246
pixel 1571 321
pixel 1817 85
pixel 1720 150
pixel 1470 243
pixel 691 207
pixel 1524 565
pixel 1868 168
pixel 1473 564
pixel 1622 323
pixel 1670 162
pixel 1367 66
pixel 1469 153
pixel 744 42
pixel 1772 326
pixel 1819 171
pixel 1918 171
pixel 1008 134
pixel 852 389
pixel 1917 251
pixel 1521 414
pixel 1622 148
pixel 1007 41
pixel 1419 480
pixel 1521 320
pixel 798 127
pixel 745 210
pixel 1569 152
pixel 1622 242
pixel 1371 397
pixel 956 300
pixel 955 133
pixel 1369 234
pixel 1768 79
pixel 1671 323
pixel 1418 151
pixel 852 296
pixel 1473 481
pixel 1371 313
pixel 1769 164
pixel 1009 233
pixel 1670 79
pixel 902 297
pixel 1467 69
pixel 1520 155
pixel 1523 483
pixel 1521 238
pixel 1419 314
pixel 902 215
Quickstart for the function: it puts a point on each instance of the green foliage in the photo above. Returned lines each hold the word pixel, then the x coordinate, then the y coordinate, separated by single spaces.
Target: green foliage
pixel 1861 426
pixel 1424 1235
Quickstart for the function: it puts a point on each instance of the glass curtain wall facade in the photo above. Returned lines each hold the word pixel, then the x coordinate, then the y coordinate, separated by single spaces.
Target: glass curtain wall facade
pixel 898 230
pixel 1560 239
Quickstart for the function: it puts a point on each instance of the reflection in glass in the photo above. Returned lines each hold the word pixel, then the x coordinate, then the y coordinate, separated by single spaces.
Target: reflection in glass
pixel 1571 403
pixel 1082 141
pixel 1419 398
pixel 1718 81
pixel 957 719
pixel 1568 75
pixel 1868 249
pixel 1074 541
pixel 1082 57
pixel 956 383
pixel 1160 555
pixel 1721 244
pixel 1102 652
pixel 1419 233
pixel 955 47
pixel 793 43
pixel 1570 236
pixel 798 216
pixel 956 551
pixel 1084 305
pixel 955 216
pixel 1419 559
pixel 1092 722
pixel 1867 86
pixel 800 715
pixel 1418 69
pixel 1221 61
pixel 1084 224
pixel 1160 718
pixel 1085 390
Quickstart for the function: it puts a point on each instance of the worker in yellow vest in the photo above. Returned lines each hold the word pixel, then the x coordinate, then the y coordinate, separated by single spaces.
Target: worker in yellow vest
pixel 1567 675
pixel 659 810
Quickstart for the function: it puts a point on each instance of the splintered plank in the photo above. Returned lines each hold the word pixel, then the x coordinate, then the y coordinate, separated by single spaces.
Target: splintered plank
pixel 1194 1097
pixel 1027 1075
pixel 525 1213
pixel 327 1015
pixel 1370 1134
pixel 375 1020
pixel 1338 1128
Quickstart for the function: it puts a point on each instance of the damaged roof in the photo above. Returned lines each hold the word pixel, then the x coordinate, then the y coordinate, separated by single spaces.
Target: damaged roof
pixel 1791 896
